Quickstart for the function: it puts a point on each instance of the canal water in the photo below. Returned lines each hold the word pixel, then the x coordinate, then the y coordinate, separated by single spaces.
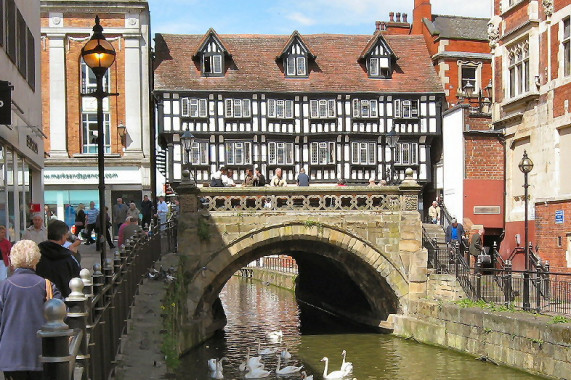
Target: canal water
pixel 254 310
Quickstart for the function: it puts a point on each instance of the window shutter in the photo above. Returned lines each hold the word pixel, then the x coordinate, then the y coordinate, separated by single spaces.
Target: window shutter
pixel 314 153
pixel 203 108
pixel 331 108
pixel 354 153
pixel 272 153
pixel 280 109
pixel 184 106
pixel 246 108
pixel 374 109
pixel 289 109
pixel 314 109
pixel 372 147
pixel 228 108
pixel 374 67
pixel 397 106
pixel 271 108
pixel 217 63
pixel 237 108
pixel 301 66
pixel 193 108
pixel 290 65
pixel 356 108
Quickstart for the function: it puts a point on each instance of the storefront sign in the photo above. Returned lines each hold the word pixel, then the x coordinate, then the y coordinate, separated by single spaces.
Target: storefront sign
pixel 90 176
pixel 559 216
pixel 31 144
pixel 5 102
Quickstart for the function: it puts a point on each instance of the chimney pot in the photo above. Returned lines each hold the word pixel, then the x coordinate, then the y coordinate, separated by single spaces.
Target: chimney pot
pixel 398 16
pixel 383 25
pixel 377 25
pixel 391 16
pixel 404 17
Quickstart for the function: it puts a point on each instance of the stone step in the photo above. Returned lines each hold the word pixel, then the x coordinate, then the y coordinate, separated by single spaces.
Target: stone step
pixel 389 324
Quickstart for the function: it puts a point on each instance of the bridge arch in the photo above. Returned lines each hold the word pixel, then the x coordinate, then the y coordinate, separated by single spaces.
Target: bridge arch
pixel 380 279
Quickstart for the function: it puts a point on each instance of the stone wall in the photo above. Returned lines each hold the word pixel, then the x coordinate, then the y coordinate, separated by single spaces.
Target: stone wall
pixel 444 287
pixel 516 339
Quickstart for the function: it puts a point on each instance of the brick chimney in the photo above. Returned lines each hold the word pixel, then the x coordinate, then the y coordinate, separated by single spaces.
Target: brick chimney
pixel 398 16
pixel 377 25
pixel 422 9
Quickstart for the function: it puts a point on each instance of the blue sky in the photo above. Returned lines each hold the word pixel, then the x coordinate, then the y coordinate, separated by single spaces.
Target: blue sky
pixel 285 16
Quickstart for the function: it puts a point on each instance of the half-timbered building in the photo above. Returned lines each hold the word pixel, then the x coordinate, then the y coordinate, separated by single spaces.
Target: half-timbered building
pixel 322 102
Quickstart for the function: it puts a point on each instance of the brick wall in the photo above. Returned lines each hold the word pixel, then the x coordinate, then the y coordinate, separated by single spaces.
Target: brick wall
pixel 554 49
pixel 498 86
pixel 548 233
pixel 515 17
pixel 560 94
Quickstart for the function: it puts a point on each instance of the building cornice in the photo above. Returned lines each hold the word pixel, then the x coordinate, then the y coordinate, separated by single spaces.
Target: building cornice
pixel 462 55
pixel 511 34
pixel 508 120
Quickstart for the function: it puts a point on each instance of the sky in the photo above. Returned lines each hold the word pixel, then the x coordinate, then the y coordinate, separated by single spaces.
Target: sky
pixel 285 16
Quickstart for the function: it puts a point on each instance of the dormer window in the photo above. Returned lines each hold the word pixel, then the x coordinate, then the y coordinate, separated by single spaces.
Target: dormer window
pixel 212 55
pixel 295 57
pixel 212 64
pixel 379 58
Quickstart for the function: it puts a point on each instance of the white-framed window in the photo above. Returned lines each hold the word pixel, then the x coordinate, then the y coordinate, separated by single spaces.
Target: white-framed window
pixel 89 81
pixel 296 65
pixel 363 153
pixel 322 109
pixel 212 64
pixel 406 153
pixel 280 109
pixel 90 133
pixel 193 107
pixel 322 153
pixel 237 108
pixel 199 153
pixel 280 153
pixel 566 46
pixel 238 153
pixel 406 109
pixel 468 75
pixel 365 108
pixel 379 66
pixel 518 69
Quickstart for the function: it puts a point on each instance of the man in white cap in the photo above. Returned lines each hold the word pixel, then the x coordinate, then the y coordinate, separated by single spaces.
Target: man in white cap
pixel 372 182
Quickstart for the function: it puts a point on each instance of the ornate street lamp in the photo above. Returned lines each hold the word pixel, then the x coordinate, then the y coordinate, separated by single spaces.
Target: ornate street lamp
pixel 99 55
pixel 392 139
pixel 186 142
pixel 526 166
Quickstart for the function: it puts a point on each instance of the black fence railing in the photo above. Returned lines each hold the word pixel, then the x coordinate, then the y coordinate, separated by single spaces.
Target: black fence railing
pixel 493 280
pixel 85 346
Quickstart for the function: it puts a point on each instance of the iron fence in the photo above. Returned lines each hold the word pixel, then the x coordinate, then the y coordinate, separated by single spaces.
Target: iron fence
pixel 98 309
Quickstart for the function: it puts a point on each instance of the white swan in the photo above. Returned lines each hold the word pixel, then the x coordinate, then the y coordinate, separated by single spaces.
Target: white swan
pixel 305 377
pixel 346 367
pixel 217 373
pixel 256 373
pixel 265 351
pixel 212 365
pixel 251 362
pixel 285 354
pixel 286 370
pixel 332 375
pixel 275 336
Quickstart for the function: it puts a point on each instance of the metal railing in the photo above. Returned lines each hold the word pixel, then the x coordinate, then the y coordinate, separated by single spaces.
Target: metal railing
pixel 284 264
pixel 98 309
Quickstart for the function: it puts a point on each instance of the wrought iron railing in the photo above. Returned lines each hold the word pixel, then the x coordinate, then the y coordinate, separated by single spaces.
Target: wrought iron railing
pixel 288 199
pixel 98 309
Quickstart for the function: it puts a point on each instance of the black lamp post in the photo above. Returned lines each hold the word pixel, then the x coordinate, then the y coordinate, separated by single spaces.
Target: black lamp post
pixel 526 165
pixel 99 55
pixel 392 139
pixel 186 141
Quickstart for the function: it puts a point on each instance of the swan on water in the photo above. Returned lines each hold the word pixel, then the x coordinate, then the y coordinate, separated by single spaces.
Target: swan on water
pixel 305 377
pixel 332 375
pixel 217 373
pixel 256 373
pixel 285 354
pixel 265 351
pixel 251 362
pixel 346 367
pixel 286 370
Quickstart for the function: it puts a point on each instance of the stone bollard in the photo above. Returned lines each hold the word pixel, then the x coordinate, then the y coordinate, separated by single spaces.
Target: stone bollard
pixel 55 335
pixel 77 317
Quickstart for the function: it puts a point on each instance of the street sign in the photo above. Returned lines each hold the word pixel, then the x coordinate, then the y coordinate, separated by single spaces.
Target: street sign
pixel 5 102
pixel 559 216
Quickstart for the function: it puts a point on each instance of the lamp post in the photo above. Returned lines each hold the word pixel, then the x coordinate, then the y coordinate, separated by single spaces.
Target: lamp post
pixel 392 139
pixel 99 55
pixel 526 165
pixel 186 141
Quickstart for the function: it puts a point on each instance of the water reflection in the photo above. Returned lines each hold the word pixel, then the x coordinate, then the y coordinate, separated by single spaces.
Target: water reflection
pixel 254 309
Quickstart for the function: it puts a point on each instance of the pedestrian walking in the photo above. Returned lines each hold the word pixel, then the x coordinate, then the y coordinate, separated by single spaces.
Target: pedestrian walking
pixel 476 246
pixel 92 214
pixel 22 298
pixel 302 178
pixel 133 211
pixel 57 263
pixel 80 219
pixel 454 232
pixel 105 233
pixel 5 247
pixel 37 232
pixel 119 214
pixel 146 210
pixel 162 210
pixel 434 212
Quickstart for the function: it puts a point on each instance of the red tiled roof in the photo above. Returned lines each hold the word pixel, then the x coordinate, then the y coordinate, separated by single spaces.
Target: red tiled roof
pixel 253 66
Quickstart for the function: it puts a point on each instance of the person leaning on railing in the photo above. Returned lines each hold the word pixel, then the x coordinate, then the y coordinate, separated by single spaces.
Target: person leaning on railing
pixel 22 298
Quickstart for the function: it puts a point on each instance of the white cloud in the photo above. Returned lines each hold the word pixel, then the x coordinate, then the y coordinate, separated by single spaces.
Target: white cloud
pixel 300 18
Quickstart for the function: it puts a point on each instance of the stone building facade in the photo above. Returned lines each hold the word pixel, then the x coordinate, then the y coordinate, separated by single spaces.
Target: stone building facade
pixel 21 137
pixel 70 121
pixel 530 42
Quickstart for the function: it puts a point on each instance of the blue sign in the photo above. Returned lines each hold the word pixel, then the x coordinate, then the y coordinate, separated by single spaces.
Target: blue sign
pixel 559 216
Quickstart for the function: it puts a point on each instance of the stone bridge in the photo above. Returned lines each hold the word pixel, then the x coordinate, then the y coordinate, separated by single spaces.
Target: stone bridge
pixel 358 249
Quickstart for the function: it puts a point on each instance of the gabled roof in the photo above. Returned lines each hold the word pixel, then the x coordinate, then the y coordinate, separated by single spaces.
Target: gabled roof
pixel 211 33
pixel 254 67
pixel 378 35
pixel 295 36
pixel 458 28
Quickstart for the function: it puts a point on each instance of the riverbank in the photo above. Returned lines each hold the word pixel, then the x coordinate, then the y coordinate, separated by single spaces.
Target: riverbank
pixel 271 277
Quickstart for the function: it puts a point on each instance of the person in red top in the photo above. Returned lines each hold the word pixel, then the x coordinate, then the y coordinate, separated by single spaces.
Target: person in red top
pixel 5 247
